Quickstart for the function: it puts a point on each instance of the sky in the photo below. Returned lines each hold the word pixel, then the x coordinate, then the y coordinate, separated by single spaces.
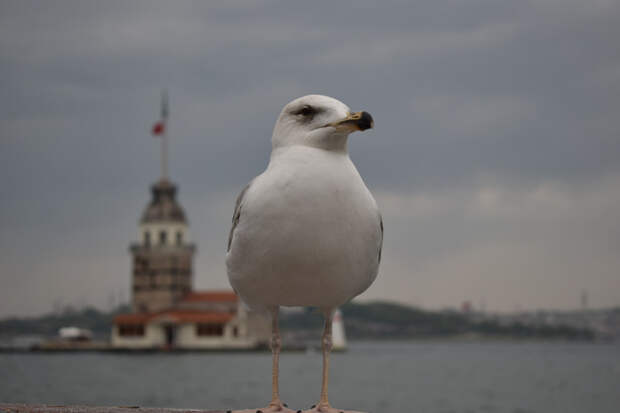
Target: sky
pixel 495 157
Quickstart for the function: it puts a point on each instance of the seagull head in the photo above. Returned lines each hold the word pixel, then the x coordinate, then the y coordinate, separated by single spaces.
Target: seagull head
pixel 318 121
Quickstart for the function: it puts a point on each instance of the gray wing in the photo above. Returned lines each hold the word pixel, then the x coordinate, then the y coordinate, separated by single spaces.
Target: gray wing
pixel 237 214
pixel 381 243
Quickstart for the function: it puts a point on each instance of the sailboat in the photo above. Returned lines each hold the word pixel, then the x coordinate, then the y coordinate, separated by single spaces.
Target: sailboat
pixel 339 338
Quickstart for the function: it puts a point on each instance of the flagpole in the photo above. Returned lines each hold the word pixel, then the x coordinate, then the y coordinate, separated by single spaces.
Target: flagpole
pixel 164 137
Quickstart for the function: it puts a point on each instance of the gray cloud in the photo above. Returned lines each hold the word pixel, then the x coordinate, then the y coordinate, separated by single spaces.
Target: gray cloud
pixel 495 158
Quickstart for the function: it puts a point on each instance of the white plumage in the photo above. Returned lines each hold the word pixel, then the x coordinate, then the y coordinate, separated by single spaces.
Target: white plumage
pixel 307 231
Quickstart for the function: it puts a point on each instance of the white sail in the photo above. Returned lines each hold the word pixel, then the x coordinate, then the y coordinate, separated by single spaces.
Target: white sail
pixel 339 338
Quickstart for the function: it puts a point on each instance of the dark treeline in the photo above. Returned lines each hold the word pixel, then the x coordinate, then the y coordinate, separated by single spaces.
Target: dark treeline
pixel 97 321
pixel 386 320
pixel 375 320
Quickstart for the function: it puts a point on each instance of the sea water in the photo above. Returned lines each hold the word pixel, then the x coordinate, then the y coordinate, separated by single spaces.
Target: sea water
pixel 379 377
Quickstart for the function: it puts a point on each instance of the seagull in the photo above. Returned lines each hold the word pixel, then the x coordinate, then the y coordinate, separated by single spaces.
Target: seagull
pixel 307 231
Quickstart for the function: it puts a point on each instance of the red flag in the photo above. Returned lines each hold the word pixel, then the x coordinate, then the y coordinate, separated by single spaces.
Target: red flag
pixel 158 128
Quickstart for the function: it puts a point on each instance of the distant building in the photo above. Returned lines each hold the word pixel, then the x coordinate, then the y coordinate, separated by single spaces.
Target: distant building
pixel 167 313
pixel 201 320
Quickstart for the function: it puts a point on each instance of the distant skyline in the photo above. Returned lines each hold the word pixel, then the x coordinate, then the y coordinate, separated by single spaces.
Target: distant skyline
pixel 495 159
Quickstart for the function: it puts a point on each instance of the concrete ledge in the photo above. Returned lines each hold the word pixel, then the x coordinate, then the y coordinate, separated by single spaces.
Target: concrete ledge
pixel 44 408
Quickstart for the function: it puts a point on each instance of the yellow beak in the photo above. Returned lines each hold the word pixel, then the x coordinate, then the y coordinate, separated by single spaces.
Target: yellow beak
pixel 355 121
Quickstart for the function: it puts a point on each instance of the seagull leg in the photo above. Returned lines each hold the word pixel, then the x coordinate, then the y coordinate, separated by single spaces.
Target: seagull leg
pixel 276 345
pixel 276 404
pixel 326 345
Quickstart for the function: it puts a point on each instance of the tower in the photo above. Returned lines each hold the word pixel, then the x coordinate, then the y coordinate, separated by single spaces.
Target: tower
pixel 167 314
pixel 162 258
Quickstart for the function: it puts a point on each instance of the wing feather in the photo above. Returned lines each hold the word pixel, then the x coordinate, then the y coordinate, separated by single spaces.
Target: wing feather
pixel 237 214
pixel 381 242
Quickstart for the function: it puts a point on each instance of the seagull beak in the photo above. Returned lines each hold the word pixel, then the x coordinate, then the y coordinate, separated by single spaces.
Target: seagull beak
pixel 354 122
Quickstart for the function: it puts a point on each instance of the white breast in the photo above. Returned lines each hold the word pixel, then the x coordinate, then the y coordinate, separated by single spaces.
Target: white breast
pixel 308 233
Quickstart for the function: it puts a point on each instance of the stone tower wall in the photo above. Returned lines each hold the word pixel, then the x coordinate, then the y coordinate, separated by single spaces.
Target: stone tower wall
pixel 162 276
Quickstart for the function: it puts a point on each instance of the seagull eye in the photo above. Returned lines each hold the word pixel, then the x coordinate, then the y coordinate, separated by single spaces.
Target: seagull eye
pixel 307 111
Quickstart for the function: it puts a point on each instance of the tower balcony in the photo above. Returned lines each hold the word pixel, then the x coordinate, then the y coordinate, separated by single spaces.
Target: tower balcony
pixel 140 248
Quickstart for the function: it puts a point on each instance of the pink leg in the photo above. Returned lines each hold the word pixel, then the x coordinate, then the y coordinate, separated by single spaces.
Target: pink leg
pixel 276 345
pixel 326 346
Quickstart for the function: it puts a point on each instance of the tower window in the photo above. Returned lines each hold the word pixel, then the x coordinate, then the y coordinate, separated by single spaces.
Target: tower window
pixel 162 237
pixel 147 238
pixel 179 238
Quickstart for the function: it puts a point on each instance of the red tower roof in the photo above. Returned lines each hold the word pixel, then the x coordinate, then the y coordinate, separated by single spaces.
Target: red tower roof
pixel 175 316
pixel 211 296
